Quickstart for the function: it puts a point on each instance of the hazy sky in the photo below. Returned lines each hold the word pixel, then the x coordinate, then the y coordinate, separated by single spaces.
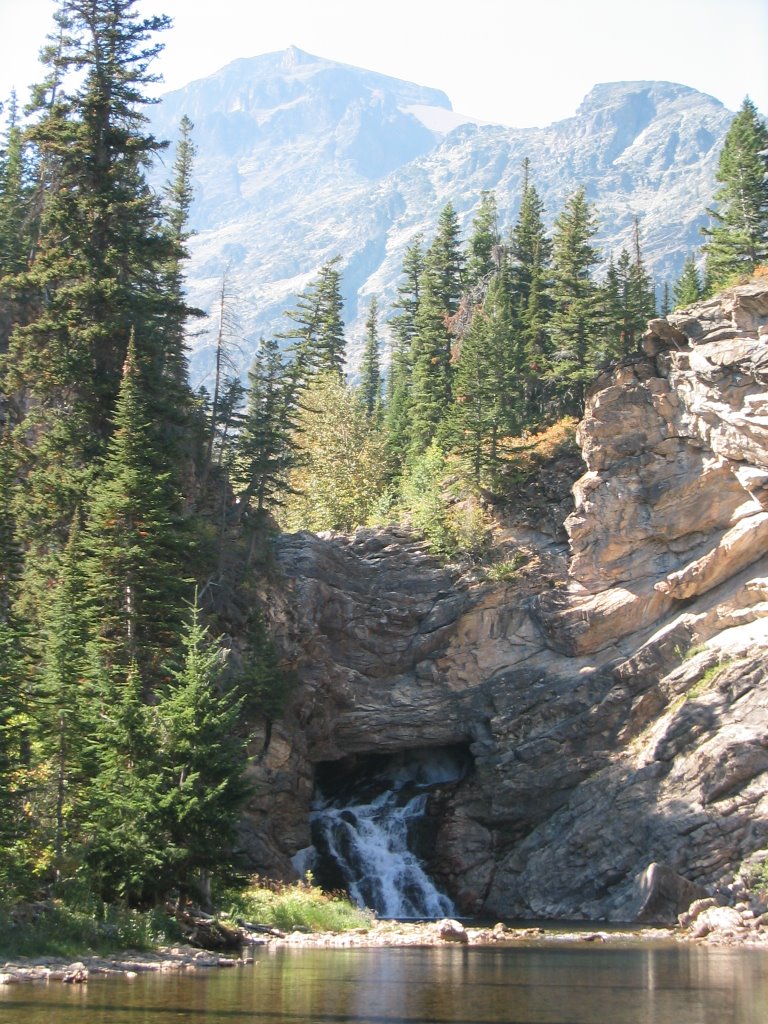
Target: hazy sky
pixel 518 62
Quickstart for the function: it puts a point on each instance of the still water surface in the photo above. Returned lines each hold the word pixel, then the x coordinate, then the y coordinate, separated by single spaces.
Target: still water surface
pixel 541 984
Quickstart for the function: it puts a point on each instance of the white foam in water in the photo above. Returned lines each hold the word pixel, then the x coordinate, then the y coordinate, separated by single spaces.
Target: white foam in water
pixel 369 842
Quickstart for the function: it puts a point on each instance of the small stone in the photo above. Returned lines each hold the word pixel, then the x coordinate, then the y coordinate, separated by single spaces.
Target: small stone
pixel 696 908
pixel 76 974
pixel 452 931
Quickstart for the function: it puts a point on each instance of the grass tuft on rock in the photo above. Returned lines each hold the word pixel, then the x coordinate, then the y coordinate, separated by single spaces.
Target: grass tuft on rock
pixel 298 906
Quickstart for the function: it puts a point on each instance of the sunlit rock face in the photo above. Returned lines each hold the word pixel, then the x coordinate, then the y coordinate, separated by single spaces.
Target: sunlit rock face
pixel 614 703
pixel 300 159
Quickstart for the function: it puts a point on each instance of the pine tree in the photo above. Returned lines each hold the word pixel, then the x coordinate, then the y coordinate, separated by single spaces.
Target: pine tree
pixel 431 366
pixel 96 271
pixel 619 310
pixel 178 198
pixel 128 847
pixel 484 242
pixel 575 324
pixel 100 244
pixel 737 241
pixel 489 385
pixel 15 228
pixel 14 824
pixel 202 764
pixel 136 540
pixel 266 447
pixel 530 254
pixel 229 420
pixel 317 342
pixel 406 305
pixel 403 328
pixel 370 371
pixel 446 261
pixel 63 702
pixel 15 219
pixel 688 288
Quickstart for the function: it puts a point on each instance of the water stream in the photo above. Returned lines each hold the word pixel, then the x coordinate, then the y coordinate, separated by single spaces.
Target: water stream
pixel 369 831
pixel 572 983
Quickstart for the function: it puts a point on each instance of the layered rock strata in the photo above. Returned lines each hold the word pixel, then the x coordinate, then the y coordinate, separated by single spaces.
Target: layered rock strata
pixel 616 705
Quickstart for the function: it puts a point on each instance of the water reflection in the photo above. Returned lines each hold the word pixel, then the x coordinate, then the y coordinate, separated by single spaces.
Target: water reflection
pixel 543 984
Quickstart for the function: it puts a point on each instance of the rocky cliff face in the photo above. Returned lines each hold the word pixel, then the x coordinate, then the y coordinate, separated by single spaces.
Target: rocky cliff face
pixel 614 701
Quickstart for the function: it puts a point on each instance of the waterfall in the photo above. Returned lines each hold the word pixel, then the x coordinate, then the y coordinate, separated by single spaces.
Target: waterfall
pixel 368 827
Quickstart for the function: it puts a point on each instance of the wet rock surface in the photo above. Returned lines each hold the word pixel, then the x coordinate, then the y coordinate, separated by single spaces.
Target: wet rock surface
pixel 616 709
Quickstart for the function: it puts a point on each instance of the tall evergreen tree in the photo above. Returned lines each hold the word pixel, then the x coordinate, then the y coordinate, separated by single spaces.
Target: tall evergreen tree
pixel 431 364
pixel 128 844
pixel 370 370
pixel 737 240
pixel 13 686
pixel 178 198
pixel 136 540
pixel 484 242
pixel 406 304
pixel 317 341
pixel 202 760
pixel 488 387
pixel 530 254
pixel 446 261
pixel 97 268
pixel 576 316
pixel 100 242
pixel 403 329
pixel 266 446
pixel 63 704
pixel 15 220
pixel 626 308
pixel 688 288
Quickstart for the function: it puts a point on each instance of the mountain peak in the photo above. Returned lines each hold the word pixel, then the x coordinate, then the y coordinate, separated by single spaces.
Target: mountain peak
pixel 618 94
pixel 302 158
pixel 292 56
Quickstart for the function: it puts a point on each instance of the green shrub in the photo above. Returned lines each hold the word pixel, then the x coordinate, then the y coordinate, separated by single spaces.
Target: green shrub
pixel 757 878
pixel 424 502
pixel 53 928
pixel 503 572
pixel 300 906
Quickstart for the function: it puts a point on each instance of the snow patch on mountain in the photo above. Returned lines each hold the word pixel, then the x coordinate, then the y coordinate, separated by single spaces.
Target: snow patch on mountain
pixel 440 120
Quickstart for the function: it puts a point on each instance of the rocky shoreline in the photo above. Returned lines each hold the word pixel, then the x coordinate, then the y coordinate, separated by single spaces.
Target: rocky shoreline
pixel 706 923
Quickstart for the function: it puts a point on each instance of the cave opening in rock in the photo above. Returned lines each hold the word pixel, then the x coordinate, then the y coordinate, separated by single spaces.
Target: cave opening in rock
pixel 375 823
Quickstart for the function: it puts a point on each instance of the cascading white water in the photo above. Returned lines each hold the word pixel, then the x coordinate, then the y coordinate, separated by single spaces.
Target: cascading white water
pixel 367 832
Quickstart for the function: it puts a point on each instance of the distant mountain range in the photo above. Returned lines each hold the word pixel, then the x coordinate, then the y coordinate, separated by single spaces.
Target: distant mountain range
pixel 301 159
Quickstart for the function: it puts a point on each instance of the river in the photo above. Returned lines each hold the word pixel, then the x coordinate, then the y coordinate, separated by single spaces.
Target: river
pixel 545 983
